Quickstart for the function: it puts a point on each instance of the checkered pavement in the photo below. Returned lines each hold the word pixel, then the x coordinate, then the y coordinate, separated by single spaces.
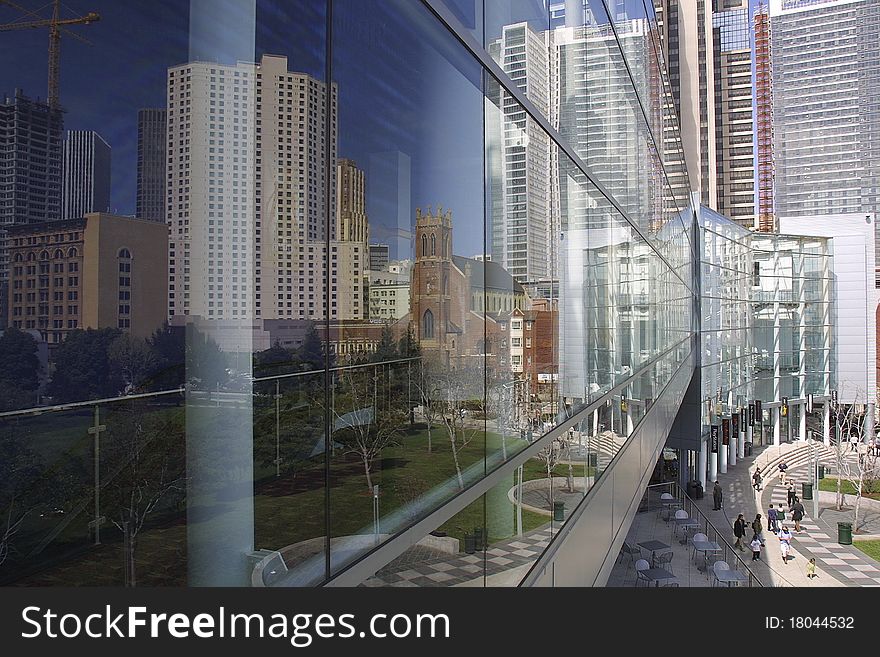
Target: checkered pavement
pixel 845 562
pixel 421 566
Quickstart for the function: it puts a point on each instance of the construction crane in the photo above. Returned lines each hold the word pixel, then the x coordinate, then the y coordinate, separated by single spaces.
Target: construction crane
pixel 56 26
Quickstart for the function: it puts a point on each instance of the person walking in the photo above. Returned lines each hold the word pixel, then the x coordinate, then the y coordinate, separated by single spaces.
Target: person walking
pixel 756 480
pixel 756 547
pixel 772 518
pixel 811 569
pixel 797 513
pixel 758 528
pixel 739 530
pixel 782 468
pixel 717 495
pixel 785 543
pixel 790 494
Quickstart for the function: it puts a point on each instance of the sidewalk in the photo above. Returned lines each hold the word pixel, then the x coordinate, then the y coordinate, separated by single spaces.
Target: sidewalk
pixel 741 497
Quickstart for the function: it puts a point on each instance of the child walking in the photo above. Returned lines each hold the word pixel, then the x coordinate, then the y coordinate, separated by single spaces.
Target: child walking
pixel 811 569
pixel 756 548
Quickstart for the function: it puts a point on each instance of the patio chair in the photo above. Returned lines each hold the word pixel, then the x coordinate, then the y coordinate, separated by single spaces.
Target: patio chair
pixel 632 550
pixel 663 509
pixel 664 560
pixel 642 565
pixel 681 513
pixel 717 567
pixel 699 536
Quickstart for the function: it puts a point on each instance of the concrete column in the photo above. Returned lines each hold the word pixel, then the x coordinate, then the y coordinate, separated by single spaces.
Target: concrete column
pixel 803 418
pixel 701 463
pixel 748 438
pixel 735 442
pixel 713 467
pixel 722 458
pixel 777 425
pixel 826 423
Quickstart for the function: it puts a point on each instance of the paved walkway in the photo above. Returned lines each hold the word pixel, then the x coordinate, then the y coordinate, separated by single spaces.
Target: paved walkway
pixel 837 565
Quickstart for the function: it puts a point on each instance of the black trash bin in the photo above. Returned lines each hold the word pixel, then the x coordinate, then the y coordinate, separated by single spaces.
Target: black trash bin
pixel 821 472
pixel 807 490
pixel 692 489
pixel 748 451
pixel 699 490
pixel 479 538
pixel 592 460
pixel 559 511
pixel 469 543
pixel 844 533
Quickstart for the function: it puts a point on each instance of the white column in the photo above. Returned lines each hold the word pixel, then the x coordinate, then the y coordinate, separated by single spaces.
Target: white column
pixel 722 457
pixel 747 438
pixel 735 442
pixel 803 412
pixel 701 463
pixel 826 422
pixel 777 422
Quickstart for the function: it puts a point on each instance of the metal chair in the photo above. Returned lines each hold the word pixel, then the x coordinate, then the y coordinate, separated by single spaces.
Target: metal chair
pixel 699 536
pixel 665 497
pixel 632 550
pixel 717 567
pixel 680 514
pixel 664 560
pixel 642 565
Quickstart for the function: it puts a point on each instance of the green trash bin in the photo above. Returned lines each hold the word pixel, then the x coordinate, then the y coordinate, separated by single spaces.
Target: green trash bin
pixel 559 511
pixel 469 543
pixel 821 471
pixel 844 533
pixel 807 490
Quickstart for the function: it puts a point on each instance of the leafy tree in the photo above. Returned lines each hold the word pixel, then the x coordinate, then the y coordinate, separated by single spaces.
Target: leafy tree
pixel 386 349
pixel 276 360
pixel 409 346
pixel 168 345
pixel 205 362
pixel 83 368
pixel 132 361
pixel 19 369
pixel 311 353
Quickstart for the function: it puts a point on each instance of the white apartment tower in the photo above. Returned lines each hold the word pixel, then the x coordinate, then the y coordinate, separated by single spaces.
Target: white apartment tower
pixel 826 106
pixel 246 200
pixel 519 157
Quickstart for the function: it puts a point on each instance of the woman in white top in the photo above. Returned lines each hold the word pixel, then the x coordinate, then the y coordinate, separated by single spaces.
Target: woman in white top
pixel 784 543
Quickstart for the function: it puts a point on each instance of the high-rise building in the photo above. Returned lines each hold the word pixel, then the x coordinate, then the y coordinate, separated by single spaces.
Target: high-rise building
pixel 151 164
pixel 707 48
pixel 95 271
pixel 826 106
pixel 85 174
pixel 734 118
pixel 764 121
pixel 519 184
pixel 379 257
pixel 30 170
pixel 233 222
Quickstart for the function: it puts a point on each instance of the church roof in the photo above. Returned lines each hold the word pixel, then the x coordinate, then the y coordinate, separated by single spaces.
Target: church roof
pixel 495 276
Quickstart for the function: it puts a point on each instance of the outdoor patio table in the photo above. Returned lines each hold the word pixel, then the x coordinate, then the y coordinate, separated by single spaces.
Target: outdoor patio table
pixel 705 547
pixel 687 523
pixel 730 576
pixel 657 574
pixel 654 546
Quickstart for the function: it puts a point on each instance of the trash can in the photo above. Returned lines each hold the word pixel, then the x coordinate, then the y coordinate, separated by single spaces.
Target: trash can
pixel 479 538
pixel 559 511
pixel 748 447
pixel 699 490
pixel 821 472
pixel 807 488
pixel 692 489
pixel 469 544
pixel 844 533
pixel 592 460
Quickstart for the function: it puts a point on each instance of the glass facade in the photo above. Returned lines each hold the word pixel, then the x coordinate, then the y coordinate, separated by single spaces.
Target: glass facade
pixel 519 169
pixel 766 321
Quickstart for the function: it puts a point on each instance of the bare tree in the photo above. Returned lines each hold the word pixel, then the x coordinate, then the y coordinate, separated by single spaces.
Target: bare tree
pixel 501 405
pixel 456 384
pixel 146 468
pixel 551 455
pixel 430 394
pixel 859 469
pixel 366 430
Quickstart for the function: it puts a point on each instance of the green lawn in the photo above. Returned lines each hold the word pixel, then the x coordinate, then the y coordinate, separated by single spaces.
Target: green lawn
pixel 292 508
pixel 870 548
pixel 847 488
